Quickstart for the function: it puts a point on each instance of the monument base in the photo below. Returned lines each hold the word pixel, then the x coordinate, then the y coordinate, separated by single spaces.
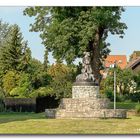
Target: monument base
pixel 85 91
pixel 85 103
pixel 103 113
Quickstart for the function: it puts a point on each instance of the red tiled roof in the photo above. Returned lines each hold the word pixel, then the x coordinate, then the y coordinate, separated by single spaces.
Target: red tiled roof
pixel 121 61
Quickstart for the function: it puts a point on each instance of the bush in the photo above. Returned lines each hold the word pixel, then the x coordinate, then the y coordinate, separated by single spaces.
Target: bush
pixel 135 97
pixel 110 95
pixel 137 108
pixel 46 102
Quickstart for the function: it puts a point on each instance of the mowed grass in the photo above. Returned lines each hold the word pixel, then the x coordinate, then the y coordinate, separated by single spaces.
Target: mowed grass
pixel 31 123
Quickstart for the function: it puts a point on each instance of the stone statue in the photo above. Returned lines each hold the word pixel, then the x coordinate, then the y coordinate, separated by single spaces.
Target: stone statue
pixel 86 72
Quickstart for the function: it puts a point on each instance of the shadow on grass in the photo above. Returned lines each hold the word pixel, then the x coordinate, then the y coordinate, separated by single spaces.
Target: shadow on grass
pixel 17 116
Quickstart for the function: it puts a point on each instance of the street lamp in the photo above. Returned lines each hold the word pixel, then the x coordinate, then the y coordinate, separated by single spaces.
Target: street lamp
pixel 115 85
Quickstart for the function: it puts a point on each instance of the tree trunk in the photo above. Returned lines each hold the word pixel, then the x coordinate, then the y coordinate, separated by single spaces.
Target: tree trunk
pixel 95 55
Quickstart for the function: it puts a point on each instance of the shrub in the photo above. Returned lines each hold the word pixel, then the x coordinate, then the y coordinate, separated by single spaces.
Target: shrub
pixel 137 108
pixel 46 102
pixel 135 97
pixel 109 94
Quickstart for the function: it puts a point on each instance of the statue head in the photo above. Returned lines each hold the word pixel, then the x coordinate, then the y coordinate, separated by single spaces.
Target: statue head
pixel 86 53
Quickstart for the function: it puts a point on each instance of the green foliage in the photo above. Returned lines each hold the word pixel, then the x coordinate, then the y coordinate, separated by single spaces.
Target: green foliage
pixel 13 54
pixel 2 94
pixel 69 31
pixel 39 77
pixel 127 85
pixel 10 81
pixel 123 105
pixel 135 97
pixel 61 80
pixel 20 74
pixel 4 30
pixel 46 61
pixel 23 88
pixel 124 81
pixel 42 91
pixel 137 108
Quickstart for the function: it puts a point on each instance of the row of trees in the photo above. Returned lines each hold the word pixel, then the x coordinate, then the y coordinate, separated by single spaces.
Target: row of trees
pixel 66 32
pixel 23 76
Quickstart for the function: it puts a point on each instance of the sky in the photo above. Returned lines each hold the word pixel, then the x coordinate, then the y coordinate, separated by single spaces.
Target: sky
pixel 125 46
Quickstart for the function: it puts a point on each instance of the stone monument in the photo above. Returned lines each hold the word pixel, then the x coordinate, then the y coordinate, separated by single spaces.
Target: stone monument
pixel 86 101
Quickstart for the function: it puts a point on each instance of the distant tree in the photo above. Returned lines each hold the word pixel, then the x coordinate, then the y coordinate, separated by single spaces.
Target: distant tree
pixel 69 31
pixel 62 79
pixel 124 81
pixel 4 31
pixel 39 77
pixel 46 62
pixel 10 81
pixel 23 87
pixel 25 60
pixel 13 54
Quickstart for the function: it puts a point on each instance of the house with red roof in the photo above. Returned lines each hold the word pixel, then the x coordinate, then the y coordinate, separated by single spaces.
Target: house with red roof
pixel 120 60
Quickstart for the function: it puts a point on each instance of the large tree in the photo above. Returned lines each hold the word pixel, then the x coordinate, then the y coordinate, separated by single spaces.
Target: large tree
pixel 69 31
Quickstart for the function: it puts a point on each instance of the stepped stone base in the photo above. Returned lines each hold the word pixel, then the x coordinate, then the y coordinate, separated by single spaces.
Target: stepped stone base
pixel 102 113
pixel 85 103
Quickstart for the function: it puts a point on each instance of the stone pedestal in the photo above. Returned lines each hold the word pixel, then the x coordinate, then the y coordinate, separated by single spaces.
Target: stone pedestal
pixel 85 103
pixel 85 92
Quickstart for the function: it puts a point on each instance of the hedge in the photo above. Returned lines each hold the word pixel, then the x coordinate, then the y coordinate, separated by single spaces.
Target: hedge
pixel 20 104
pixel 30 104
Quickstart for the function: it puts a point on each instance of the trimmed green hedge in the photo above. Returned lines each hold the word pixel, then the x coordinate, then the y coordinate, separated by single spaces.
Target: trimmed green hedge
pixel 30 104
pixel 123 105
pixel 20 104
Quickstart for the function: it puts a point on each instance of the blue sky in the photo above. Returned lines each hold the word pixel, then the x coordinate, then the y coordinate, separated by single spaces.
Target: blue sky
pixel 126 46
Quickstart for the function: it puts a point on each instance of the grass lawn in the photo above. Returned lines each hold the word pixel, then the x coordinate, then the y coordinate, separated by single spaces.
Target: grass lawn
pixel 31 123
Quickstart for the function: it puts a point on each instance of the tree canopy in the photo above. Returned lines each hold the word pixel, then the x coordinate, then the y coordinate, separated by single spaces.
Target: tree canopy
pixel 69 31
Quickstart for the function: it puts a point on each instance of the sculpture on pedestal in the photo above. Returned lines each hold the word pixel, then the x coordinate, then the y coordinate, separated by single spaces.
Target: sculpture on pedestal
pixel 86 72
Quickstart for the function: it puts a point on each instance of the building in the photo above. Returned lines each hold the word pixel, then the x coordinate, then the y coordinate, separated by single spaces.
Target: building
pixel 134 65
pixel 120 60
